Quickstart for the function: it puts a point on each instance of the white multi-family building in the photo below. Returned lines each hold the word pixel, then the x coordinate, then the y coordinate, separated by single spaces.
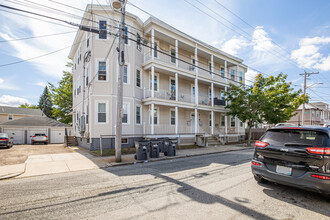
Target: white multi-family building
pixel 177 89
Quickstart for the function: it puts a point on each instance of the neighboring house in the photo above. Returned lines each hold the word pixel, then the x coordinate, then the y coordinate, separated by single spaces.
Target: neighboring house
pixel 22 130
pixel 317 113
pixel 13 113
pixel 163 95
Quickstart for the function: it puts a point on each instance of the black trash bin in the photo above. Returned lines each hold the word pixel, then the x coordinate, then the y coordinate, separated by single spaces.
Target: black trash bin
pixel 172 147
pixel 154 149
pixel 141 148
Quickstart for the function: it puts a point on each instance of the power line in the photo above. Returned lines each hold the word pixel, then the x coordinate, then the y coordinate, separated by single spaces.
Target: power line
pixel 41 36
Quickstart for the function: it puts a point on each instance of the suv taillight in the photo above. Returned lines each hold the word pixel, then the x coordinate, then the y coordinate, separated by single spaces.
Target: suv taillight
pixel 260 144
pixel 33 136
pixel 318 150
pixel 45 136
pixel 321 177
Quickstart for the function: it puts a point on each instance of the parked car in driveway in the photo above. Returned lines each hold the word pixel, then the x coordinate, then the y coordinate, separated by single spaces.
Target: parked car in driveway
pixel 5 140
pixel 39 138
pixel 295 156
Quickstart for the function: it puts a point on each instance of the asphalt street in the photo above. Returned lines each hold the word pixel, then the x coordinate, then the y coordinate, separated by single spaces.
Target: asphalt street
pixel 218 186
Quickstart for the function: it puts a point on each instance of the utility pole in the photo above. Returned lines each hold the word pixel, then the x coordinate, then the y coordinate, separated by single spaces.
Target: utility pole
pixel 305 74
pixel 120 4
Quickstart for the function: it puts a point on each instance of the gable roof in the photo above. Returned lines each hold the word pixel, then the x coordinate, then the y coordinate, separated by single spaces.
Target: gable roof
pixel 20 111
pixel 36 121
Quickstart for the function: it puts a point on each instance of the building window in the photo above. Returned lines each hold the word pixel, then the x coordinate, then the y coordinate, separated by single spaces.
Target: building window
pixel 103 29
pixel 172 89
pixel 172 115
pixel 138 115
pixel 156 76
pixel 125 114
pixel 241 124
pixel 138 78
pixel 124 140
pixel 155 50
pixel 222 95
pixel 241 76
pixel 126 35
pixel 173 57
pixel 232 121
pixel 210 96
pixel 210 68
pixel 193 62
pixel 223 120
pixel 210 120
pixel 102 115
pixel 222 71
pixel 154 116
pixel 125 74
pixel 102 71
pixel 232 74
pixel 10 117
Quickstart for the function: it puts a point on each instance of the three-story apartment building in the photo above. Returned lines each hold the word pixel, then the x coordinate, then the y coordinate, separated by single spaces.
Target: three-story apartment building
pixel 174 86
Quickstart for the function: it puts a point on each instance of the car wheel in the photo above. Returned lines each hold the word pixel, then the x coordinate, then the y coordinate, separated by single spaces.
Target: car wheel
pixel 259 179
pixel 32 143
pixel 46 143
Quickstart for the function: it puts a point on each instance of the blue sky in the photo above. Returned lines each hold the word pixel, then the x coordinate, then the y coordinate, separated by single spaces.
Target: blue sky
pixel 286 36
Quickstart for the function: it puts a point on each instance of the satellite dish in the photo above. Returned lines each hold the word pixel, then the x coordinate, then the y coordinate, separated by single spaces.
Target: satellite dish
pixel 116 4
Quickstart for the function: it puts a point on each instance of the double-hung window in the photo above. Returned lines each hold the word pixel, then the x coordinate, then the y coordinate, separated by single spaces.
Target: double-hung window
pixel 173 58
pixel 102 74
pixel 173 89
pixel 155 81
pixel 232 74
pixel 102 114
pixel 155 49
pixel 172 115
pixel 125 74
pixel 154 116
pixel 222 120
pixel 10 117
pixel 232 121
pixel 103 29
pixel 125 114
pixel 138 115
pixel 241 76
pixel 222 71
pixel 138 78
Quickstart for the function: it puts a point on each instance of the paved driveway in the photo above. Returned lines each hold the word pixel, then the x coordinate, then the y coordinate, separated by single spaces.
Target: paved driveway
pixel 19 153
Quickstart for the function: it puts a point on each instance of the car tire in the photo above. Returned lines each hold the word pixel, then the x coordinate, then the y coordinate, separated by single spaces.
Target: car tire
pixel 46 143
pixel 259 179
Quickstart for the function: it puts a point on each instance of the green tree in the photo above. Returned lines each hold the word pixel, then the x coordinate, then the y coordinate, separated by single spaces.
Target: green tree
pixel 45 103
pixel 27 105
pixel 268 99
pixel 61 96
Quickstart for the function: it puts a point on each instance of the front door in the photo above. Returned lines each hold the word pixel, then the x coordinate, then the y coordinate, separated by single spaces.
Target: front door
pixel 192 123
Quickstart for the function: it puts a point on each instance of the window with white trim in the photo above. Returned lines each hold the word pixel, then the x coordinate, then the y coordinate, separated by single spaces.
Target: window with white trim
pixel 173 55
pixel 240 76
pixel 223 120
pixel 232 122
pixel 154 116
pixel 125 76
pixel 156 77
pixel 125 114
pixel 102 73
pixel 138 115
pixel 138 78
pixel 155 49
pixel 222 71
pixel 101 113
pixel 10 117
pixel 232 74
pixel 103 29
pixel 172 117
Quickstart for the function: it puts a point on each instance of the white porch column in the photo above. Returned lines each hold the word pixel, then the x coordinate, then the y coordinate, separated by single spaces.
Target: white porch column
pixel 196 91
pixel 176 120
pixel 152 118
pixel 212 94
pixel 196 121
pixel 152 43
pixel 152 81
pixel 196 60
pixel 176 87
pixel 212 66
pixel 226 72
pixel 212 122
pixel 226 117
pixel 176 53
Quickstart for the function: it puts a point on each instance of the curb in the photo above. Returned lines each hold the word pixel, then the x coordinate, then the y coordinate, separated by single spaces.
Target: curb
pixel 12 175
pixel 170 158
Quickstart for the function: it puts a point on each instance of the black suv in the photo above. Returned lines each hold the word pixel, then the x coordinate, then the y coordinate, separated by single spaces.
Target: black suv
pixel 295 156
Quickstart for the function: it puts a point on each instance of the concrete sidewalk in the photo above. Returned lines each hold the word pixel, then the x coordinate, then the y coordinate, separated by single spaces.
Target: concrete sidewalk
pixel 81 159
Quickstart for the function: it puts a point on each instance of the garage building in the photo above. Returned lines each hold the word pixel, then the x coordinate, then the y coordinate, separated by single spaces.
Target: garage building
pixel 22 130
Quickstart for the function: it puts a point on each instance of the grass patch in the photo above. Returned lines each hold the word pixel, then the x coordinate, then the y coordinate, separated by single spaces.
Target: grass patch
pixel 111 152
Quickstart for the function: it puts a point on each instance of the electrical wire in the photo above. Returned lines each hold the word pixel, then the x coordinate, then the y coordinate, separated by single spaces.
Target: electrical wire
pixel 34 37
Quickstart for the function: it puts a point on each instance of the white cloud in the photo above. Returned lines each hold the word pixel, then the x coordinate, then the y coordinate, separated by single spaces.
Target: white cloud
pixel 41 84
pixel 8 100
pixel 7 86
pixel 233 45
pixel 250 76
pixel 309 56
pixel 261 41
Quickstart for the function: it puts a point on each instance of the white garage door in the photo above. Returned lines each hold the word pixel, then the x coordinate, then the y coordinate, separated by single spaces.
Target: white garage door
pixel 32 131
pixel 16 133
pixel 57 136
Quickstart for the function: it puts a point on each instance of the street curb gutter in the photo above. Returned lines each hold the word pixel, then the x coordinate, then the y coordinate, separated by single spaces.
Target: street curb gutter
pixel 12 175
pixel 170 158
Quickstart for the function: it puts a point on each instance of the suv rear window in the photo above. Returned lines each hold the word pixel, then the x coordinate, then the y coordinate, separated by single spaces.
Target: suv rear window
pixel 300 137
pixel 40 135
pixel 3 135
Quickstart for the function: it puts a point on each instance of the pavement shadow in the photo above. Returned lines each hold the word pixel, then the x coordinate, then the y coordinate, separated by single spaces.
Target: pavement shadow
pixel 298 197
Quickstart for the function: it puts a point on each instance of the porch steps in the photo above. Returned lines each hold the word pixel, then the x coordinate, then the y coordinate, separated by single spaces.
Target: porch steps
pixel 71 141
pixel 213 140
